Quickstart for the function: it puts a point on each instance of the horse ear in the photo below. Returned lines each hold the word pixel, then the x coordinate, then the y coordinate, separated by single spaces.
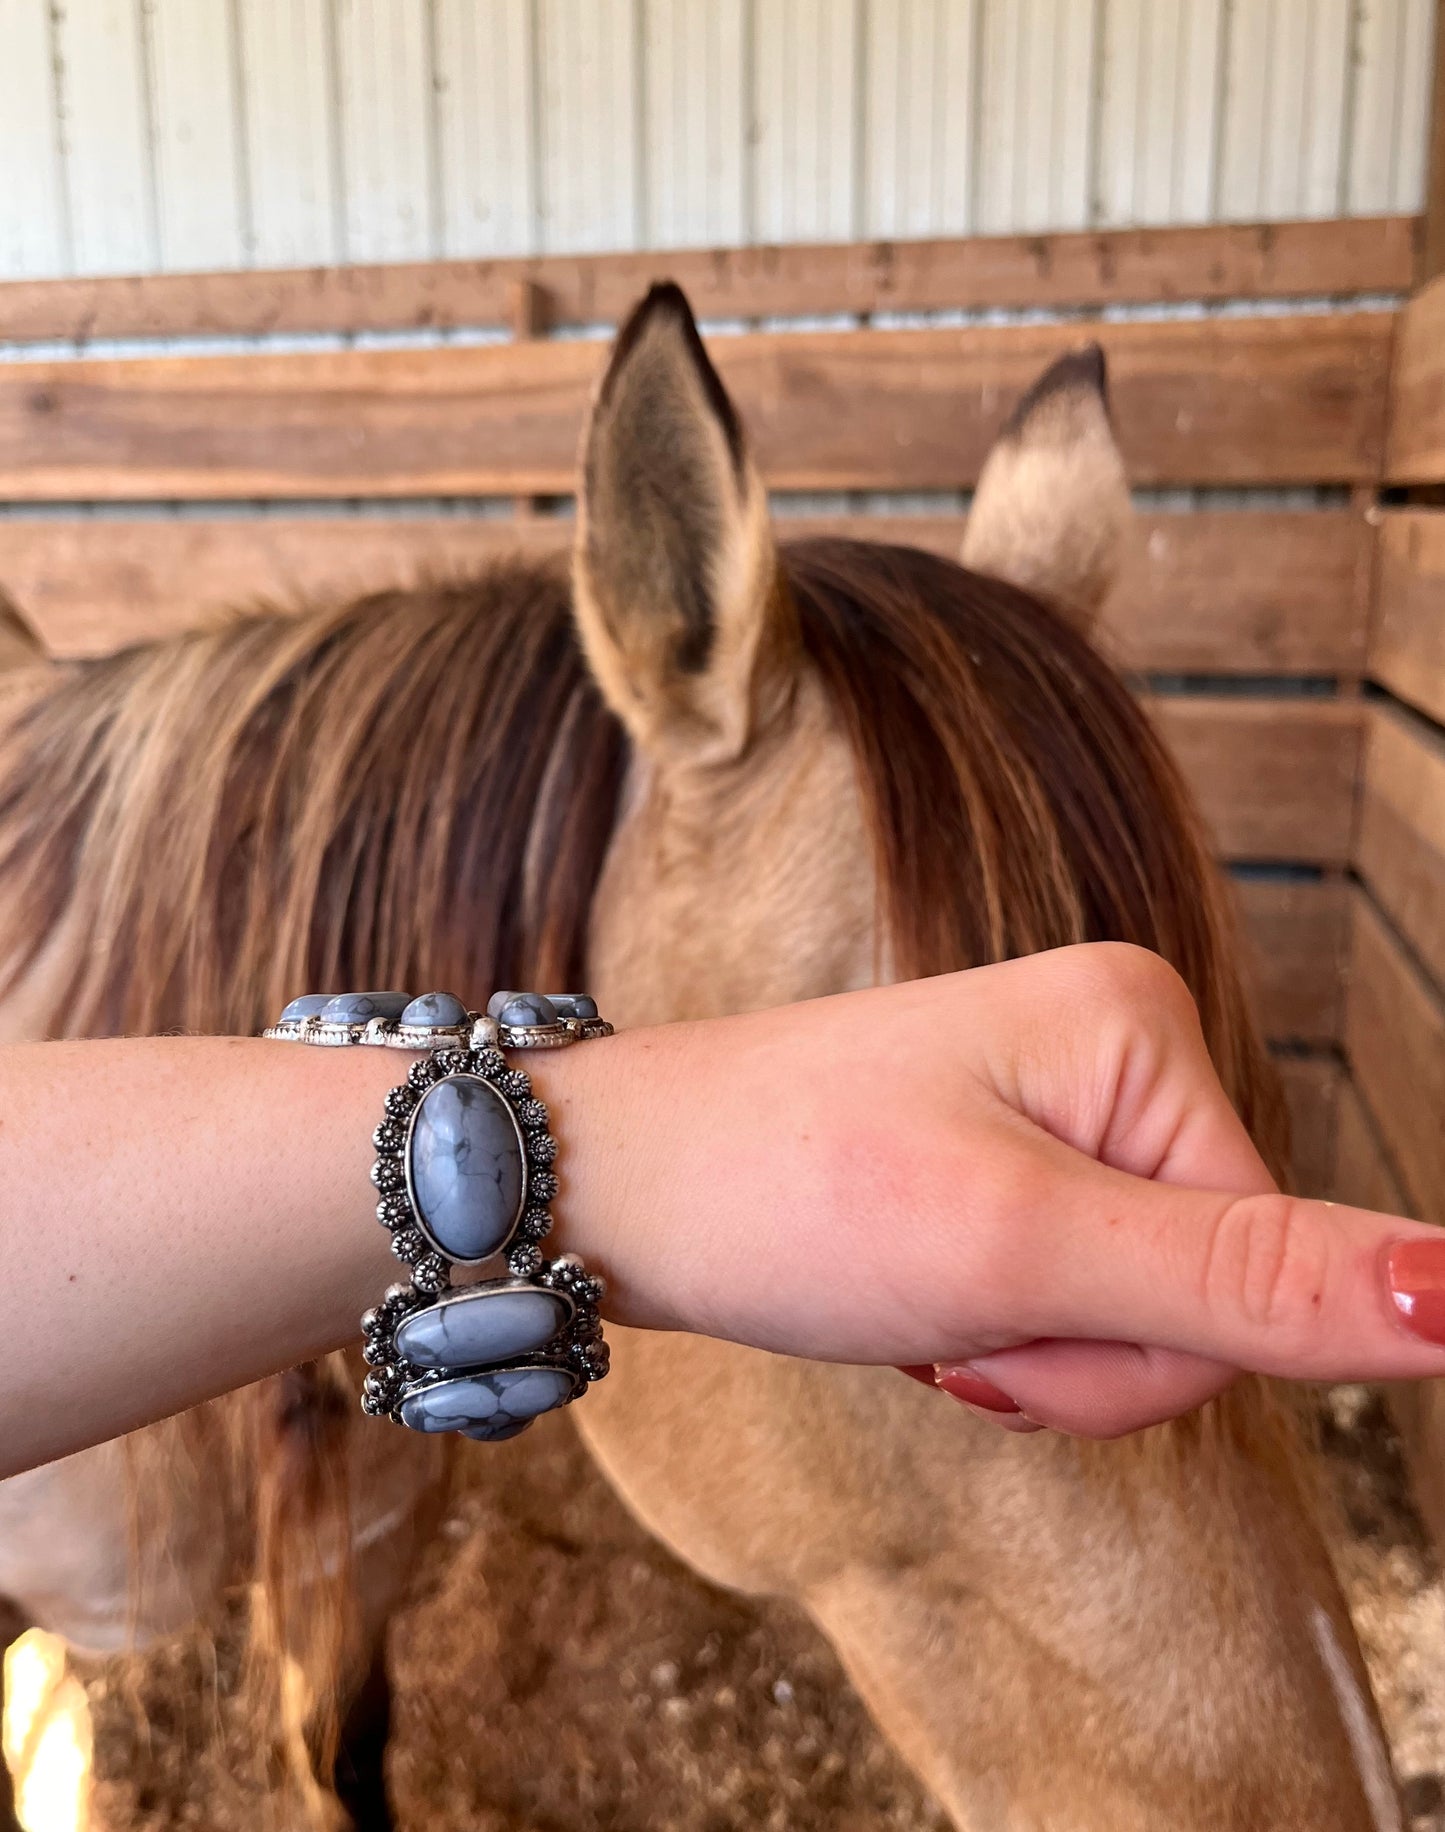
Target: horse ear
pixel 675 573
pixel 1052 511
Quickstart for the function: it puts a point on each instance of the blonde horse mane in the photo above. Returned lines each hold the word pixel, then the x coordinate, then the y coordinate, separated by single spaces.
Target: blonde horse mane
pixel 419 789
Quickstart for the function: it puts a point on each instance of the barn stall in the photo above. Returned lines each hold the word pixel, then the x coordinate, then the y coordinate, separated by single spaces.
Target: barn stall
pixel 189 422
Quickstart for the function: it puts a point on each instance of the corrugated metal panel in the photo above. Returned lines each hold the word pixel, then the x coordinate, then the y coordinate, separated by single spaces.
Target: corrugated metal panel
pixel 384 66
pixel 1158 123
pixel 139 134
pixel 694 122
pixel 292 153
pixel 200 211
pixel 1037 93
pixel 588 111
pixel 105 136
pixel 806 128
pixel 34 234
pixel 486 126
pixel 920 116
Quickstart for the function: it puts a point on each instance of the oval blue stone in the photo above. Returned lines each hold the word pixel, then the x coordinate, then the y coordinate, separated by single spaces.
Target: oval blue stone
pixel 309 1005
pixel 528 1008
pixel 465 1167
pixel 435 1011
pixel 484 1323
pixel 494 1405
pixel 573 1004
pixel 357 1007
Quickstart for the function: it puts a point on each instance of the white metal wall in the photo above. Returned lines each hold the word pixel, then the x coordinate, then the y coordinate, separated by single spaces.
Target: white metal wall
pixel 138 135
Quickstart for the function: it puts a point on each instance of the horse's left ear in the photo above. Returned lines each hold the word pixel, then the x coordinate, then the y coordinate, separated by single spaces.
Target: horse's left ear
pixel 675 573
pixel 1052 511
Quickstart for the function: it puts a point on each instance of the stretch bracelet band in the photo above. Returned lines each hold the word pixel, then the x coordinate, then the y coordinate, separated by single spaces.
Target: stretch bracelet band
pixel 463 1174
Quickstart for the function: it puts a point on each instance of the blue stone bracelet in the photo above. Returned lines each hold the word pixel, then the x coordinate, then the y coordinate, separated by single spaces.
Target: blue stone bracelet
pixel 463 1174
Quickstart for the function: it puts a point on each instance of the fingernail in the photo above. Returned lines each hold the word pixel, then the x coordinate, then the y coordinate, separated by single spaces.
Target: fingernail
pixel 973 1389
pixel 1416 1271
pixel 923 1373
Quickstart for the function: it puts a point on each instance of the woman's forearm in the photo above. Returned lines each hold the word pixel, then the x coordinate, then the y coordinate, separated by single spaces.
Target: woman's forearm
pixel 1019 1168
pixel 180 1216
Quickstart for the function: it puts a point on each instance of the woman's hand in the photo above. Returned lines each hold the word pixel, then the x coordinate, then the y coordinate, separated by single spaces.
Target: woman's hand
pixel 1027 1175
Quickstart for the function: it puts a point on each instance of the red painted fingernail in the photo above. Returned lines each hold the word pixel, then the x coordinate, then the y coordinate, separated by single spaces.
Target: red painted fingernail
pixel 1416 1271
pixel 923 1374
pixel 973 1389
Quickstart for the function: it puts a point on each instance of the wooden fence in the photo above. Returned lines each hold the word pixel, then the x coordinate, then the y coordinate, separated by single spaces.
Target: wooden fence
pixel 1294 656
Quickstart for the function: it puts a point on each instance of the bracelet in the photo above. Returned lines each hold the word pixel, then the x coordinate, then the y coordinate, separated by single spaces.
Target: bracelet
pixel 463 1173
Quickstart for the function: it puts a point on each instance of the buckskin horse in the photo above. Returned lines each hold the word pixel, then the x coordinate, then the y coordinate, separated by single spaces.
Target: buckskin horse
pixel 705 771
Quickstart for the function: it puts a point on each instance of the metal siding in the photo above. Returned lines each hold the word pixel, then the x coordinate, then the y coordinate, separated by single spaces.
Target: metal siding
pixel 34 235
pixel 199 208
pixel 146 134
pixel 806 127
pixel 384 65
pixel 693 121
pixel 486 126
pixel 590 167
pixel 292 148
pixel 105 136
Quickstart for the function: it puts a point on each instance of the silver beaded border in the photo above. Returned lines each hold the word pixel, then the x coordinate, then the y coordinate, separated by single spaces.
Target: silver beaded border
pixel 472 1048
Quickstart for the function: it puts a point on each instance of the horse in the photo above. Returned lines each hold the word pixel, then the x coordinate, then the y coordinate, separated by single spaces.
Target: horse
pixel 706 770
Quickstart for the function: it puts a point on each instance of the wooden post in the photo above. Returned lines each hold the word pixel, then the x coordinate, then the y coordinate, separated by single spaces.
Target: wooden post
pixel 1432 243
pixel 528 311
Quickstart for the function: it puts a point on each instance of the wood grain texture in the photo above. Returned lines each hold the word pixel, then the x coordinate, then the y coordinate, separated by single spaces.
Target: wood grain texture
pixel 1400 842
pixel 1312 1090
pixel 1274 779
pixel 1416 447
pixel 1214 592
pixel 1124 266
pixel 1296 938
pixel 1363 1174
pixel 1407 648
pixel 1395 1040
pixel 1240 401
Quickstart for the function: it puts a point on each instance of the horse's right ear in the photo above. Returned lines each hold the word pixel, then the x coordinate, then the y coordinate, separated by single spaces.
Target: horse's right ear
pixel 1052 511
pixel 675 573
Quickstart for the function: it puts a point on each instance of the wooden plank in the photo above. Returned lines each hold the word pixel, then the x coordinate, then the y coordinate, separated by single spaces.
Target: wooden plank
pixel 1311 1089
pixel 1363 1174
pixel 1274 779
pixel 1296 938
pixel 1395 1040
pixel 1400 843
pixel 1216 592
pixel 1407 648
pixel 1226 401
pixel 1043 272
pixel 1416 444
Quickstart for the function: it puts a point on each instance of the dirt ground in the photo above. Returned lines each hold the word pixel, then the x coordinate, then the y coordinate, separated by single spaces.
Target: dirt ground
pixel 559 1672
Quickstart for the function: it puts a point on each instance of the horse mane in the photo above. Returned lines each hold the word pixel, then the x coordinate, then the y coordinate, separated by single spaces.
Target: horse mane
pixel 419 788
pixel 414 788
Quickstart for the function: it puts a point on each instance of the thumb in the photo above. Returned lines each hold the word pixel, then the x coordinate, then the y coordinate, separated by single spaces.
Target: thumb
pixel 1277 1284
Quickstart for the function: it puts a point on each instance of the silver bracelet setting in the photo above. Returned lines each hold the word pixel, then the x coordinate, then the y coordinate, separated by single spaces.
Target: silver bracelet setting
pixel 463 1174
